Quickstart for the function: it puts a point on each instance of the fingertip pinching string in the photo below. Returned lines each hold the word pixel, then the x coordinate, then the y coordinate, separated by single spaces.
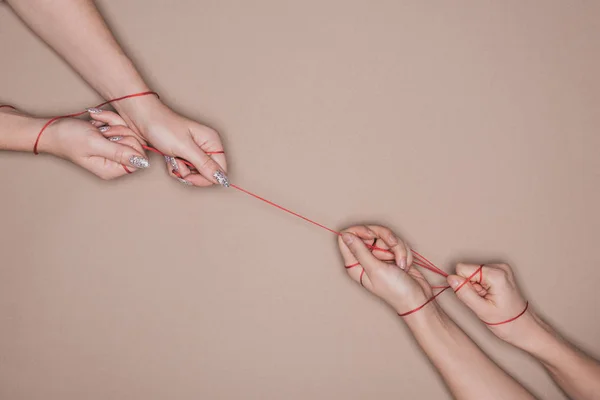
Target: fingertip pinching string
pixel 222 179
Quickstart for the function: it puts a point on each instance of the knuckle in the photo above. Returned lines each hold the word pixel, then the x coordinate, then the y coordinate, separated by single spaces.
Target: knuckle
pixel 498 275
pixel 207 130
pixel 505 267
pixel 119 154
pixel 209 163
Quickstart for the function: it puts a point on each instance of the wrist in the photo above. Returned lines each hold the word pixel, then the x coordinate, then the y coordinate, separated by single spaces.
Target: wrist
pixel 50 141
pixel 428 316
pixel 524 332
pixel 19 131
pixel 137 111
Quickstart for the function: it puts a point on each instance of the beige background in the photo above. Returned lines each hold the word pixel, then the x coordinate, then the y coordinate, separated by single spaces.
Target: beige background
pixel 468 126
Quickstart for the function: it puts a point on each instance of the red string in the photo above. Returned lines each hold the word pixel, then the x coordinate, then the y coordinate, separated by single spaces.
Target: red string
pixel 418 259
pixel 509 320
pixel 77 114
pixel 432 298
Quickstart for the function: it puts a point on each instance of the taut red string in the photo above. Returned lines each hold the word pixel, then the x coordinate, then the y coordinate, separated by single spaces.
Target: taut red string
pixel 418 259
pixel 80 113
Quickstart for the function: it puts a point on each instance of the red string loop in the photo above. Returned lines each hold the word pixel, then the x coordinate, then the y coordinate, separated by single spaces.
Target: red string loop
pixel 508 320
pixel 77 114
pixel 419 259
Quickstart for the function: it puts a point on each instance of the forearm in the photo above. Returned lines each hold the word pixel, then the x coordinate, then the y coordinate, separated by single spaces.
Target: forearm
pixel 77 32
pixel 467 371
pixel 574 371
pixel 18 132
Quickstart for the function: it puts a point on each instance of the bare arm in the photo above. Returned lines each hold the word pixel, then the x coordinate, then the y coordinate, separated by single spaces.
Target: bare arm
pixel 574 371
pixel 467 371
pixel 497 298
pixel 77 32
pixel 17 132
pixel 108 152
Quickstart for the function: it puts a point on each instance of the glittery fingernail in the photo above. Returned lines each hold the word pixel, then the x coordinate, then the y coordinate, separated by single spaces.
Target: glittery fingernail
pixel 221 178
pixel 139 162
pixel 104 128
pixel 115 138
pixel 173 162
pixel 184 182
pixel 94 110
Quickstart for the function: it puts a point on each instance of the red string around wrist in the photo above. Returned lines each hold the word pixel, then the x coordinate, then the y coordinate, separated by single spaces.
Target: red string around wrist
pixel 419 259
pixel 422 262
pixel 78 114
pixel 508 320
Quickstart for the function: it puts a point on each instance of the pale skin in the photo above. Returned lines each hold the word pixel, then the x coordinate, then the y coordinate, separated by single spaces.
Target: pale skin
pixel 87 144
pixel 498 298
pixel 467 371
pixel 76 31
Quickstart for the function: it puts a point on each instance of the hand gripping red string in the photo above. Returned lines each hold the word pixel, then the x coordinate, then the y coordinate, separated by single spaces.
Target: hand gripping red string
pixel 419 259
pixel 80 113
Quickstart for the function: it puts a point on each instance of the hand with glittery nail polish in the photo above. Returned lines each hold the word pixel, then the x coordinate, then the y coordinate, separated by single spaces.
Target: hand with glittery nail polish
pixel 108 150
pixel 382 263
pixel 180 138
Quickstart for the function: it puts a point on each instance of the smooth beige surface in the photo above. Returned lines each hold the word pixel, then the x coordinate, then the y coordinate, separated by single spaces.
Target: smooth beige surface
pixel 471 128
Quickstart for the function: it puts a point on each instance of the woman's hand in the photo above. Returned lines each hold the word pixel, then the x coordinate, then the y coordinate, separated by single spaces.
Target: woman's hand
pixel 108 151
pixel 387 273
pixel 177 136
pixel 493 295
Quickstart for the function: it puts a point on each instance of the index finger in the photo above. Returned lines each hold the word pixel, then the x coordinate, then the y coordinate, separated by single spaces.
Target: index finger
pixel 362 232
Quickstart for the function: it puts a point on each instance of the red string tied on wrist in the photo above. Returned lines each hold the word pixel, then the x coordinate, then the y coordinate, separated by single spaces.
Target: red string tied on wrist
pixel 419 259
pixel 508 320
pixel 78 114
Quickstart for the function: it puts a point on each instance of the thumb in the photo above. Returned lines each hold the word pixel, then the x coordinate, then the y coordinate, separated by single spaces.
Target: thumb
pixel 206 166
pixel 467 293
pixel 120 153
pixel 361 252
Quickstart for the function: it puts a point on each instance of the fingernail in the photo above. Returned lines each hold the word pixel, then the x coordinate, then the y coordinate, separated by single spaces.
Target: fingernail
pixel 115 138
pixel 104 128
pixel 403 263
pixel 139 162
pixel 172 162
pixel 94 110
pixel 221 178
pixel 453 282
pixel 347 238
pixel 184 182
